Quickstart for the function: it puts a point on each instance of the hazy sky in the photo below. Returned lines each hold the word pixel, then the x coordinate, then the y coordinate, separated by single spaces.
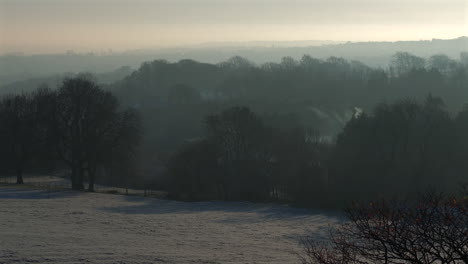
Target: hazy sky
pixel 44 26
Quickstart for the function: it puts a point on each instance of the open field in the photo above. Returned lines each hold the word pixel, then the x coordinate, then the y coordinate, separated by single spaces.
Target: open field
pixel 39 226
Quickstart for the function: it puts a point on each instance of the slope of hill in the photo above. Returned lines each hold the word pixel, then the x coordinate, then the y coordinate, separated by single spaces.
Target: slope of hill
pixel 76 227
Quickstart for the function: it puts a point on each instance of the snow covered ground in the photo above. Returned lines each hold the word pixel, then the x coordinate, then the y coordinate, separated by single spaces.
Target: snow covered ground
pixel 77 227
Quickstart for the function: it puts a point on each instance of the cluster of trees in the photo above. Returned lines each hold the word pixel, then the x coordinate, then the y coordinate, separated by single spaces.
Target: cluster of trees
pixel 280 146
pixel 79 125
pixel 174 98
pixel 331 85
pixel 25 130
pixel 430 229
pixel 400 148
pixel 397 149
pixel 242 158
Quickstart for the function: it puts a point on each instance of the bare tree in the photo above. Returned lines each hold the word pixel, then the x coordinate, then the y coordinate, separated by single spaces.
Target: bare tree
pixel 404 62
pixel 90 127
pixel 432 230
pixel 25 120
pixel 115 139
pixel 17 130
pixel 240 137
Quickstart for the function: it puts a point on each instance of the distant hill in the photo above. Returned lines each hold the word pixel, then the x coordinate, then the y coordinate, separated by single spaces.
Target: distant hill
pixel 55 80
pixel 371 53
pixel 20 67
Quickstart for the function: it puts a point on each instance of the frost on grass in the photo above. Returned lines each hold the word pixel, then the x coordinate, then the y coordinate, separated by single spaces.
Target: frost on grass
pixel 78 227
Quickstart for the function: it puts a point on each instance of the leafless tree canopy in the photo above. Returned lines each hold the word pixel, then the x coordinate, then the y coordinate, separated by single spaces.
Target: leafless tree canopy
pixel 432 230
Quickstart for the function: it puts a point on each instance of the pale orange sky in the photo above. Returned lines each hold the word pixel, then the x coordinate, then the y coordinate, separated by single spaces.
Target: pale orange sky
pixel 48 26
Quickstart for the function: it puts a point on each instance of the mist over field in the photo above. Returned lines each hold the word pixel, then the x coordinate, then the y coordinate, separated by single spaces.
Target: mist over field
pixel 227 131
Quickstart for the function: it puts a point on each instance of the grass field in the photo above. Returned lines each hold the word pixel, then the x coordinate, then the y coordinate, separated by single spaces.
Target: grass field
pixel 38 226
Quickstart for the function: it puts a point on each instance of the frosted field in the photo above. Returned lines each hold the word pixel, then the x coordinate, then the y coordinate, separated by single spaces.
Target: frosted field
pixel 78 227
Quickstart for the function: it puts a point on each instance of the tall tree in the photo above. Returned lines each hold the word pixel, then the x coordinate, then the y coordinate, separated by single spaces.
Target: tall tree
pixel 90 126
pixel 26 128
pixel 240 137
pixel 17 130
pixel 404 62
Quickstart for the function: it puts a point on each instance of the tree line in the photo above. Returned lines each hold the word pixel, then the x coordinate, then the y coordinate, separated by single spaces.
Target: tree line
pixel 401 148
pixel 240 131
pixel 174 98
pixel 79 126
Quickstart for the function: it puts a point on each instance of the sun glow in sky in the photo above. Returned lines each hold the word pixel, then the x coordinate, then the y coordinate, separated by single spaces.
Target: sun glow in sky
pixel 50 26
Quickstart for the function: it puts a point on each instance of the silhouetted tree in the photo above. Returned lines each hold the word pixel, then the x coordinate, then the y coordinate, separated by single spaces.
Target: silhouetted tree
pixel 26 128
pixel 398 149
pixel 17 130
pixel 89 125
pixel 298 162
pixel 118 150
pixel 434 229
pixel 442 63
pixel 404 62
pixel 240 138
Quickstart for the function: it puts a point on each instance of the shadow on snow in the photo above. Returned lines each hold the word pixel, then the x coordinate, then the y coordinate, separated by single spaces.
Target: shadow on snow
pixel 17 193
pixel 266 211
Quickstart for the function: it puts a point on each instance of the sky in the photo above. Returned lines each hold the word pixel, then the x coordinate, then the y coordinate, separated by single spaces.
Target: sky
pixel 54 26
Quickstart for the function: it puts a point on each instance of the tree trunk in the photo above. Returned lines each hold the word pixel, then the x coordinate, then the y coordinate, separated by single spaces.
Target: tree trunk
pixel 92 174
pixel 19 174
pixel 91 185
pixel 77 178
pixel 19 156
pixel 79 182
pixel 73 178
